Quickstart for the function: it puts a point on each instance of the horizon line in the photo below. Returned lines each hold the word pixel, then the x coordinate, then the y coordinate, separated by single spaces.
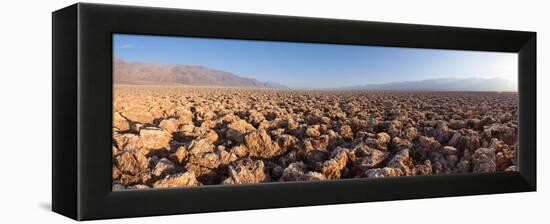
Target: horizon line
pixel 302 87
pixel 178 85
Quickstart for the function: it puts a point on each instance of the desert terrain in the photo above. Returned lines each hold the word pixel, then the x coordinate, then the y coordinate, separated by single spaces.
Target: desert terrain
pixel 180 136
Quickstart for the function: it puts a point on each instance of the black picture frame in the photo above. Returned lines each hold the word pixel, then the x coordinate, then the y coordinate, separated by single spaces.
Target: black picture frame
pixel 82 110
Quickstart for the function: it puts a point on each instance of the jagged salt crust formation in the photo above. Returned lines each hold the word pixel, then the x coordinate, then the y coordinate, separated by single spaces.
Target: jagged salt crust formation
pixel 187 137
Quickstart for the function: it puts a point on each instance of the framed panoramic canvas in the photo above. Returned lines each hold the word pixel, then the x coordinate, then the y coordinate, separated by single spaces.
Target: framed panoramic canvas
pixel 167 111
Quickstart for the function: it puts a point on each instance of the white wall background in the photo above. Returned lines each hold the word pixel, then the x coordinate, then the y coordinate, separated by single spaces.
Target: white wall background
pixel 25 109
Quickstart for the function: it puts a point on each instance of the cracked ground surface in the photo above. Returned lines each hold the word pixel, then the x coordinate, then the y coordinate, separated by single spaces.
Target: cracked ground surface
pixel 193 136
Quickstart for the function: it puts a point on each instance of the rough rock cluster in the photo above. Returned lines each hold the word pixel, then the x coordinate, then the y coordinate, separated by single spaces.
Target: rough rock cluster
pixel 190 136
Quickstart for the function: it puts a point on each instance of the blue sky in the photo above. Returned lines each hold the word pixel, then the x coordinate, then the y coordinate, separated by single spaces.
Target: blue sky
pixel 315 65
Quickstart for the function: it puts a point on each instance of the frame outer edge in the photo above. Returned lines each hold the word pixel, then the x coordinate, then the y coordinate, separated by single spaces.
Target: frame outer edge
pixel 527 66
pixel 79 112
pixel 64 148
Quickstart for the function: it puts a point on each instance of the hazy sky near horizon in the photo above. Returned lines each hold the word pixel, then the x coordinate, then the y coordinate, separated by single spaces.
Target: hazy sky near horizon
pixel 316 65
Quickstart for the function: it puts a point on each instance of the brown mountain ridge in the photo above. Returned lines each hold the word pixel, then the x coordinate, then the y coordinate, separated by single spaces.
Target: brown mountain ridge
pixel 128 72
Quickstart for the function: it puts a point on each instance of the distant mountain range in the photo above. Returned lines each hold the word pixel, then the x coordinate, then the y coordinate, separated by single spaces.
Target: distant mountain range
pixel 126 72
pixel 445 84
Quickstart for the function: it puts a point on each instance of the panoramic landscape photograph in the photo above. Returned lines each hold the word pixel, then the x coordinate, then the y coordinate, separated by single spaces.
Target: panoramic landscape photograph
pixel 191 112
